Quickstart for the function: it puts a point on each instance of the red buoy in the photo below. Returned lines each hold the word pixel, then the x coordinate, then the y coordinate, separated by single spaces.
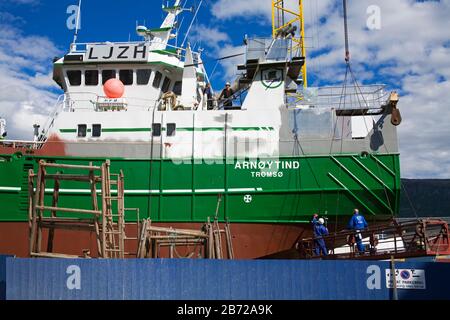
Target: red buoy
pixel 114 88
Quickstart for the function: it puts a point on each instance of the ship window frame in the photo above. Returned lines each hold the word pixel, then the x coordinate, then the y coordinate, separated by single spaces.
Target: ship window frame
pixel 178 87
pixel 70 79
pixel 129 76
pixel 82 131
pixel 171 129
pixel 147 76
pixel 96 78
pixel 157 80
pixel 96 130
pixel 167 82
pixel 108 70
pixel 156 129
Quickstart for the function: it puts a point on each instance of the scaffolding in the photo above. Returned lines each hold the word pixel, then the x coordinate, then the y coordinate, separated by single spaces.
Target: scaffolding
pixel 106 218
pixel 208 243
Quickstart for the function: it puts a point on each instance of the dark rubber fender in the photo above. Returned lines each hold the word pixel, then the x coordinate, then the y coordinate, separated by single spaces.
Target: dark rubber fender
pixel 396 118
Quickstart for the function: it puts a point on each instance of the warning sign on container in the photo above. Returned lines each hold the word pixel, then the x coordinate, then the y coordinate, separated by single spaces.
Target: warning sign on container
pixel 407 279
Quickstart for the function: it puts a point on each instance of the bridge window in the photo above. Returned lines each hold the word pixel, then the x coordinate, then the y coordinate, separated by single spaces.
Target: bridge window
pixel 91 78
pixel 108 74
pixel 156 129
pixel 126 76
pixel 177 88
pixel 82 130
pixel 143 76
pixel 74 77
pixel 166 85
pixel 157 80
pixel 171 129
pixel 96 130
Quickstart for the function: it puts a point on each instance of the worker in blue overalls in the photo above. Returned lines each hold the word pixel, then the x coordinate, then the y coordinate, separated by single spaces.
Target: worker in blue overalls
pixel 319 232
pixel 358 223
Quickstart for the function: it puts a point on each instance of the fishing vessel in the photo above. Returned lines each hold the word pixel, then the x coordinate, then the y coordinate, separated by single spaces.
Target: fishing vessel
pixel 267 158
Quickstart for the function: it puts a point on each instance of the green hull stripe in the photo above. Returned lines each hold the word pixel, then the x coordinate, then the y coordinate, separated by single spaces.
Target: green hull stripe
pixel 128 130
pixel 110 130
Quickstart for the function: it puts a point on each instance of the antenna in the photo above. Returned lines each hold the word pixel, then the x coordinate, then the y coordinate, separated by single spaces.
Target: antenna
pixel 192 22
pixel 77 26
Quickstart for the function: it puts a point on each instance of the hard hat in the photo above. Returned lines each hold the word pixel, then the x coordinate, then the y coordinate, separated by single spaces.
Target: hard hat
pixel 228 84
pixel 321 221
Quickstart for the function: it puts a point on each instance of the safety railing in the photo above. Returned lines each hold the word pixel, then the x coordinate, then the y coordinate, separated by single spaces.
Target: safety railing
pixel 269 49
pixel 341 98
pixel 21 144
pixel 406 239
pixel 58 108
pixel 89 101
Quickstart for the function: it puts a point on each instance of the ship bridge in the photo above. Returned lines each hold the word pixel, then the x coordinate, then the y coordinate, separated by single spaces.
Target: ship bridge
pixel 147 74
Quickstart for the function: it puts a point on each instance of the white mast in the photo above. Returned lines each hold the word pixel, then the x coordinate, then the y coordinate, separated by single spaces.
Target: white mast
pixel 162 35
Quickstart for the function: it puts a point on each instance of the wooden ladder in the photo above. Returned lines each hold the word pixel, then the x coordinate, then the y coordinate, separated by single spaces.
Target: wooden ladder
pixel 108 223
pixel 113 224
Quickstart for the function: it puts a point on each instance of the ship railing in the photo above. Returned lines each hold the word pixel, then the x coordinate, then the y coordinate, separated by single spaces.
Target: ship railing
pixel 90 101
pixel 368 97
pixel 269 49
pixel 58 108
pixel 22 144
pixel 400 239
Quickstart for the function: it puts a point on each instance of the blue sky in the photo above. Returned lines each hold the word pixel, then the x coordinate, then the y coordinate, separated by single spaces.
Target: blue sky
pixel 410 52
pixel 104 20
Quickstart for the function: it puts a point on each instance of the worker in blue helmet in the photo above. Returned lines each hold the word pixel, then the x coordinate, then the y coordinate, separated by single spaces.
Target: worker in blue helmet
pixel 358 223
pixel 320 231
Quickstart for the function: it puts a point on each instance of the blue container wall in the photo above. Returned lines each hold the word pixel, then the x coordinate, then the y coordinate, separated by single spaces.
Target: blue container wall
pixel 214 280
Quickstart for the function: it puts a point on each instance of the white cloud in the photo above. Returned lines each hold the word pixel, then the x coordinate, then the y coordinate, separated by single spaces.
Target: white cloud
pixel 26 87
pixel 220 45
pixel 210 37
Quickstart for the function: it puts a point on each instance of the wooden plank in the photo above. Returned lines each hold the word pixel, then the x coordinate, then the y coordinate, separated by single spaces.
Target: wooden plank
pixel 51 234
pixel 30 201
pixel 178 231
pixel 73 177
pixel 159 237
pixel 210 241
pixel 41 212
pixel 94 200
pixel 70 210
pixel 121 212
pixel 70 227
pixel 69 166
pixel 67 220
pixel 218 239
pixel 32 246
pixel 229 238
pixel 180 242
